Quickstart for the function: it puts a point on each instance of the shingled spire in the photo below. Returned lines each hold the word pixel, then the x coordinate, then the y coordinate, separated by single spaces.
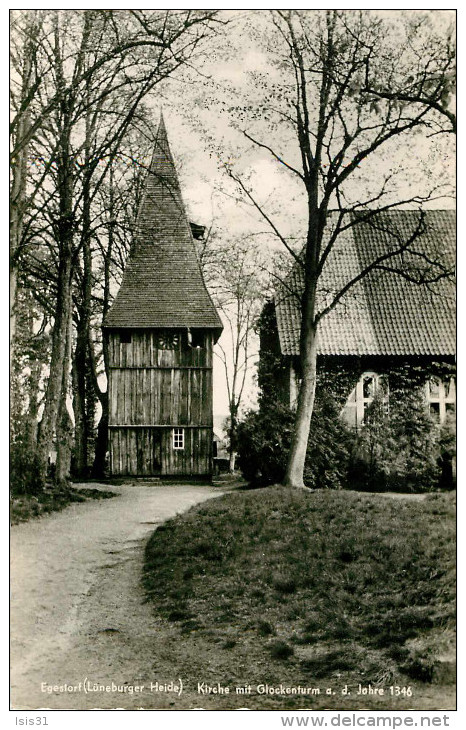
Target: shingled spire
pixel 162 284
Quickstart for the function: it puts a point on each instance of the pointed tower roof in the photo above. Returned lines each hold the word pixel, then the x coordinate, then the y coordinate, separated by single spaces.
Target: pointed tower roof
pixel 162 283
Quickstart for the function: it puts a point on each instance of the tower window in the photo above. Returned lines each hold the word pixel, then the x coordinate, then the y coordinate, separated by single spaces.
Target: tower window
pixel 196 338
pixel 178 438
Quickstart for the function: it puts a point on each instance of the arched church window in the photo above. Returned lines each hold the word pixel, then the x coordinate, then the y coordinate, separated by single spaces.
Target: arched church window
pixel 362 395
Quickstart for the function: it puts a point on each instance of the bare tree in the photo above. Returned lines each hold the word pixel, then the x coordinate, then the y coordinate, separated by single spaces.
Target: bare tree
pixel 92 69
pixel 24 81
pixel 347 85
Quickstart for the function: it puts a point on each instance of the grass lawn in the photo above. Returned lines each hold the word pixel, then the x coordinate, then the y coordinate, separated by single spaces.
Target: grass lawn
pixel 24 507
pixel 321 590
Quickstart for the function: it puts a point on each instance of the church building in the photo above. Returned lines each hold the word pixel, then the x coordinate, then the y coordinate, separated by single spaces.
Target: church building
pixel 389 334
pixel 161 330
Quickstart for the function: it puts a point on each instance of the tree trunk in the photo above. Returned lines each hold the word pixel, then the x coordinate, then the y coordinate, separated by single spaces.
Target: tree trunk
pixel 232 461
pixel 101 441
pixel 64 235
pixel 294 476
pixel 64 446
pixel 17 208
pixel 80 366
pixel 64 425
pixel 19 178
pixel 232 430
pixel 54 389
pixel 101 444
pixel 79 410
pixel 33 409
pixel 13 287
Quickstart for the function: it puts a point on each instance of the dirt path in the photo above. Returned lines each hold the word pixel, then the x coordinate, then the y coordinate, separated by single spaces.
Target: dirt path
pixel 78 617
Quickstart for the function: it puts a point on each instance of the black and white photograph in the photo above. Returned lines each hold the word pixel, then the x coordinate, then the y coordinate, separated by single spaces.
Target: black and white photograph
pixel 233 362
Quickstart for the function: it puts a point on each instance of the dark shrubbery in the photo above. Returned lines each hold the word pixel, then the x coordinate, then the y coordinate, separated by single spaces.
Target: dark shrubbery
pixel 264 439
pixel 25 476
pixel 263 442
pixel 447 448
pixel 280 650
pixel 400 449
pixel 329 446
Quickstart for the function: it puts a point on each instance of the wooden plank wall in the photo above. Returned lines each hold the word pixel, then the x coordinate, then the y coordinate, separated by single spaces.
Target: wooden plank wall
pixel 160 397
pixel 152 390
pixel 142 351
pixel 148 451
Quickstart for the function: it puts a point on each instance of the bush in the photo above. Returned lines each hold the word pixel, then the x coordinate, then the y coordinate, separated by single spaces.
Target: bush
pixel 447 460
pixel 25 476
pixel 416 439
pixel 328 448
pixel 263 442
pixel 264 628
pixel 402 449
pixel 264 439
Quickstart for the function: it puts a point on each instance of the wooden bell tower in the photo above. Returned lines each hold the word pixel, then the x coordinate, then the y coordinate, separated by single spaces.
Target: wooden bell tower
pixel 161 330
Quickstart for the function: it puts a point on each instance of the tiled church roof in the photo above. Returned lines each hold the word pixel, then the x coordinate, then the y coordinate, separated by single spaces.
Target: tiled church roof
pixel 162 283
pixel 384 313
